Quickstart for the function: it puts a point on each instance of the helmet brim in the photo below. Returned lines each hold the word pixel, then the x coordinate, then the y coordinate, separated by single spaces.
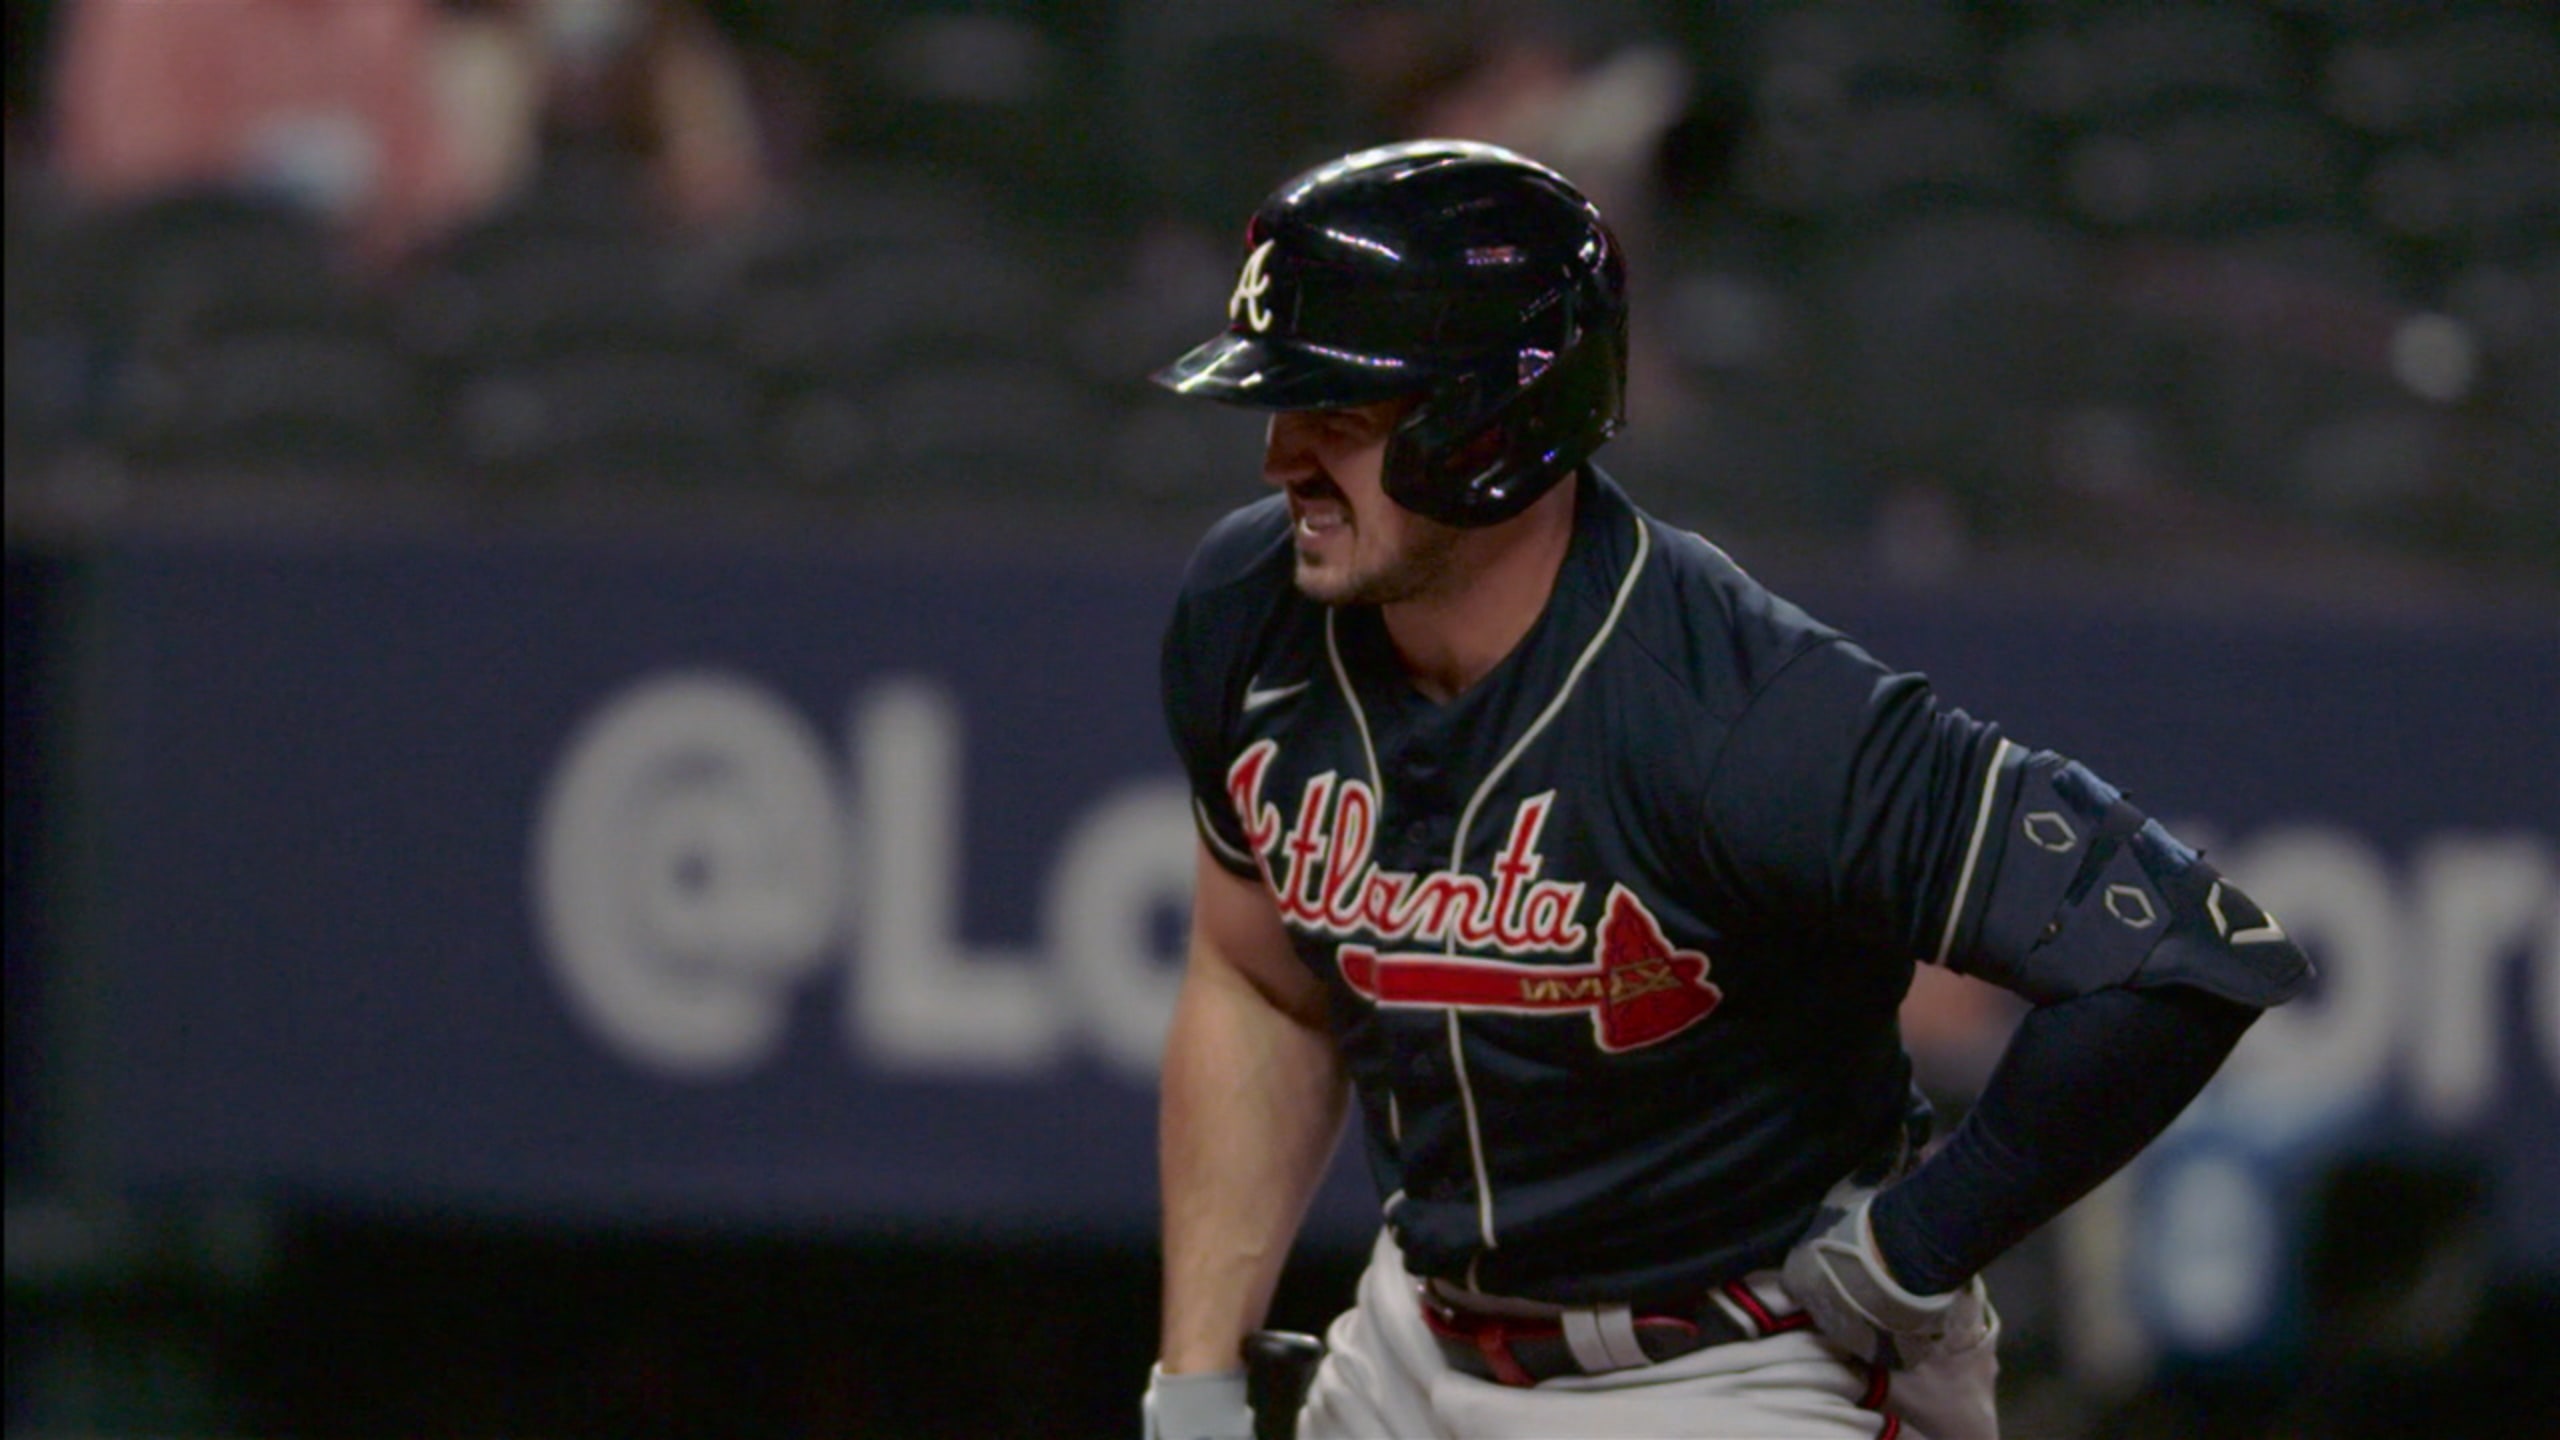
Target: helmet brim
pixel 1273 374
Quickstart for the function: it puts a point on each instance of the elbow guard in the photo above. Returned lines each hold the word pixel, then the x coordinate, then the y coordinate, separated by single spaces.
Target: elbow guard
pixel 2074 890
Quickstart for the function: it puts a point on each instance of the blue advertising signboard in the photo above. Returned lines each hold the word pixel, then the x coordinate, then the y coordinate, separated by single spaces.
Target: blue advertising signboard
pixel 848 889
pixel 746 887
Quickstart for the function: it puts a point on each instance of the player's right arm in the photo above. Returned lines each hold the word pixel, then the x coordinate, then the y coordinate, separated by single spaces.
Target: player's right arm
pixel 1253 1102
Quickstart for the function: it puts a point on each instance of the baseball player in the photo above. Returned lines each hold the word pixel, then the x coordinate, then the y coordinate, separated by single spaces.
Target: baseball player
pixel 1594 874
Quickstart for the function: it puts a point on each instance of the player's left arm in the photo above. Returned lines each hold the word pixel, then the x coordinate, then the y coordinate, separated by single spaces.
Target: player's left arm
pixel 1945 841
pixel 2146 964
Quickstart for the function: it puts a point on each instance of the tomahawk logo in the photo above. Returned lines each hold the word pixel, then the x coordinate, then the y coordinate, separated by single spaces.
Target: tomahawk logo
pixel 1639 991
pixel 1251 286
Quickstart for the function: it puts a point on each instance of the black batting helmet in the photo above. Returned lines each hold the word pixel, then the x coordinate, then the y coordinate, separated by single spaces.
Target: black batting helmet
pixel 1482 282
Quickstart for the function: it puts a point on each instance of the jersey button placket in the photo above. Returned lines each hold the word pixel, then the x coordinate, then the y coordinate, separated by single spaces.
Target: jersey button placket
pixel 1418 1067
pixel 1414 777
pixel 1418 1073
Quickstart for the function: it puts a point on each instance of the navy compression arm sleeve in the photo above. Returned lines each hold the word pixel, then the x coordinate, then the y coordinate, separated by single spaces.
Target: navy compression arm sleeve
pixel 2083 1086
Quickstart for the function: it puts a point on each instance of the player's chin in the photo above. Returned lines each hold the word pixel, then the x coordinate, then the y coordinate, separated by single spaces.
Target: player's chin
pixel 1328 580
pixel 1324 584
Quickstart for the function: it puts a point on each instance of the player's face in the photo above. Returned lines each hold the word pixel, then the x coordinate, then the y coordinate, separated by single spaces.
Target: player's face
pixel 1355 546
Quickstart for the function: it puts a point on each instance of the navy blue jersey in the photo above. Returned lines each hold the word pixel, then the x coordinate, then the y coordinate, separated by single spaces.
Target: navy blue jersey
pixel 1615 940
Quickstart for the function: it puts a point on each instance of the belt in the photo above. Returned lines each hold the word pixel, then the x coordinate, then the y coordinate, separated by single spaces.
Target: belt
pixel 1527 1349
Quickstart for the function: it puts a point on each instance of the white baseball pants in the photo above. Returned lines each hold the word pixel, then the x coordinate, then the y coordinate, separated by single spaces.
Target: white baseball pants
pixel 1385 1377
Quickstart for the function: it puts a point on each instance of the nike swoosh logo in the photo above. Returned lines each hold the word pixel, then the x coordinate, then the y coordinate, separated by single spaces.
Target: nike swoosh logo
pixel 1255 697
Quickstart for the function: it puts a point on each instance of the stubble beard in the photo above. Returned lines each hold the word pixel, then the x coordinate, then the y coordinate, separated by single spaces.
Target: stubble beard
pixel 1419 567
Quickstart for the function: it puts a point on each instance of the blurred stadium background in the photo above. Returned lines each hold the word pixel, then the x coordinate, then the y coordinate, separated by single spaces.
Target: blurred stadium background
pixel 588 850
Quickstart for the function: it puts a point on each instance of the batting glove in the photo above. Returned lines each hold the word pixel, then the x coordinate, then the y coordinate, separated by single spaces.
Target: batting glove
pixel 1202 1405
pixel 1838 1276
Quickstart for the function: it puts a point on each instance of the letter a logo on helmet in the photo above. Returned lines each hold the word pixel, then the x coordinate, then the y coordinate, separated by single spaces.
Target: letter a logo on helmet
pixel 1251 286
pixel 1480 283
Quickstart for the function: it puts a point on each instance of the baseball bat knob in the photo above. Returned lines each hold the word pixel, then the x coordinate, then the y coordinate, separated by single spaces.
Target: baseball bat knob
pixel 1279 1365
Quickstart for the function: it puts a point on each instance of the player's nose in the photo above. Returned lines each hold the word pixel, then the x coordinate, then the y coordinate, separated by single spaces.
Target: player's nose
pixel 1288 452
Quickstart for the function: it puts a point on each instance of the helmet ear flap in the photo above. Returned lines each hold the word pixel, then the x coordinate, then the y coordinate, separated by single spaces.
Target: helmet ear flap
pixel 1429 477
pixel 1478 451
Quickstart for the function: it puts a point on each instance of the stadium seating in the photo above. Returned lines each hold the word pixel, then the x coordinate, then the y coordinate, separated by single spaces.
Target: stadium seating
pixel 1983 249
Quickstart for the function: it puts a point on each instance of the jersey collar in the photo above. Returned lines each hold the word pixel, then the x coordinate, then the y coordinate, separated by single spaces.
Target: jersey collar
pixel 1603 544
